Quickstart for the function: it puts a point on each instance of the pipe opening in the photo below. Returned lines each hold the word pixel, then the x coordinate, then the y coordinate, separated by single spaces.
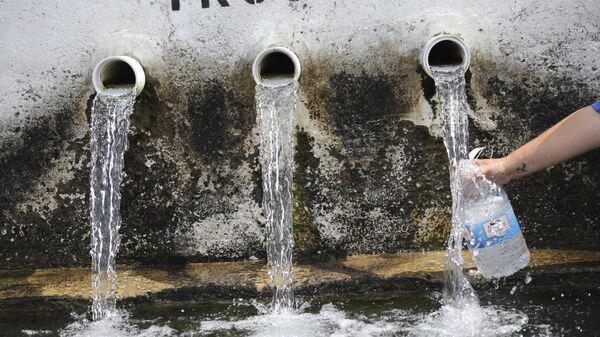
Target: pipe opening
pixel 118 74
pixel 276 66
pixel 446 53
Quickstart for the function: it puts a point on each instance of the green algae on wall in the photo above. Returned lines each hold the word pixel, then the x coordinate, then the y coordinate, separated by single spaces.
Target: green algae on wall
pixel 307 193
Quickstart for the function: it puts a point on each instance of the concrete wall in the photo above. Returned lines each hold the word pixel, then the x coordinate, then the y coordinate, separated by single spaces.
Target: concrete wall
pixel 370 171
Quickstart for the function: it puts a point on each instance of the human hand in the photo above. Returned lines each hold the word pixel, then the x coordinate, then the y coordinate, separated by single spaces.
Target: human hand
pixel 496 170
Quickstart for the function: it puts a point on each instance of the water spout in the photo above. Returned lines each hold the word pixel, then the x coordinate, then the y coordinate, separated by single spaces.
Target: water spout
pixel 276 71
pixel 276 66
pixel 117 80
pixel 445 51
pixel 445 58
pixel 116 75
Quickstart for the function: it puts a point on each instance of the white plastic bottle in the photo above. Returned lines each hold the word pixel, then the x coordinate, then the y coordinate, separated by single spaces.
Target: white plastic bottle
pixel 492 230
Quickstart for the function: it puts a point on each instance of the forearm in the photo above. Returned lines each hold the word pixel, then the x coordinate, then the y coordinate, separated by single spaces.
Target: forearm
pixel 574 135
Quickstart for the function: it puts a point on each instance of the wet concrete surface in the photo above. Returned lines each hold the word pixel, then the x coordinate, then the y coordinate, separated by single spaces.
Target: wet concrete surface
pixel 404 272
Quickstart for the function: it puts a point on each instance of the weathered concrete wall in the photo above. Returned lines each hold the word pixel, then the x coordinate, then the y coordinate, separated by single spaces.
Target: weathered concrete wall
pixel 370 171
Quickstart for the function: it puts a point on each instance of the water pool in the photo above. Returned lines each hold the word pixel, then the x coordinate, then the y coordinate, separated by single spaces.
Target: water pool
pixel 505 311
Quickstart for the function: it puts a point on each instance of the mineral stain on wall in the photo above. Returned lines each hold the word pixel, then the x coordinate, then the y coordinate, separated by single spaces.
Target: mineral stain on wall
pixel 190 174
pixel 367 179
pixel 228 195
pixel 152 182
pixel 376 190
pixel 41 190
pixel 25 158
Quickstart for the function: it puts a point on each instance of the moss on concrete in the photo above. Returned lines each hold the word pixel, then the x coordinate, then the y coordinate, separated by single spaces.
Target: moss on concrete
pixel 307 240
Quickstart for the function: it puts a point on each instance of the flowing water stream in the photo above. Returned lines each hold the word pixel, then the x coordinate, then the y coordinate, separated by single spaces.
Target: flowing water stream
pixel 450 87
pixel 275 107
pixel 110 123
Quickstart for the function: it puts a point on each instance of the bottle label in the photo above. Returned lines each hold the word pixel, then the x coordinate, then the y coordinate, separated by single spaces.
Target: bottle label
pixel 502 226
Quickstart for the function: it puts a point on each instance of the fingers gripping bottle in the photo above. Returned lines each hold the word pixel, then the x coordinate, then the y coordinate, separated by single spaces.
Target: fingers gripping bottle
pixel 492 230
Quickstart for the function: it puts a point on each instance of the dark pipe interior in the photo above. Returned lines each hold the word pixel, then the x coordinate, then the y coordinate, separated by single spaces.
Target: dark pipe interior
pixel 118 74
pixel 446 53
pixel 277 65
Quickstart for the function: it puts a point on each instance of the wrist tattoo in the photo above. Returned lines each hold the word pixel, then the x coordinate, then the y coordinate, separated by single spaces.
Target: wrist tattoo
pixel 522 169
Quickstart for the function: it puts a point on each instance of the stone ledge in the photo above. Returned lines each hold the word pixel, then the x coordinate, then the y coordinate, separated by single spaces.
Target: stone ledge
pixel 404 272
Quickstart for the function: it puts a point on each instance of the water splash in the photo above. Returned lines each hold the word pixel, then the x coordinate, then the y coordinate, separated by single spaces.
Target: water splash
pixel 330 321
pixel 472 320
pixel 275 116
pixel 450 86
pixel 118 324
pixel 110 123
pixel 333 321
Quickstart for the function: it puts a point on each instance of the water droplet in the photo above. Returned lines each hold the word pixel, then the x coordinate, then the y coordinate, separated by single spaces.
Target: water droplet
pixel 512 291
pixel 528 279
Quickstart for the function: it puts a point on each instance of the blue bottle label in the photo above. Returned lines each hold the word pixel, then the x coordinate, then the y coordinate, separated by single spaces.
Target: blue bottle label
pixel 502 226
